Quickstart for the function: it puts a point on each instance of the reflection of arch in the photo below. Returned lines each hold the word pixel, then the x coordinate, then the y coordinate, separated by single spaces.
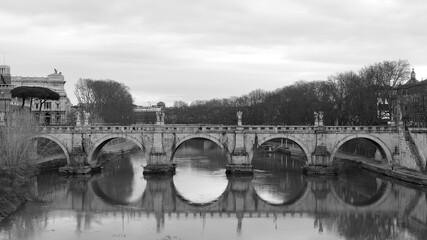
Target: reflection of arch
pixel 53 139
pixel 98 145
pixel 104 197
pixel 297 141
pixel 194 204
pixel 382 146
pixel 96 188
pixel 197 136
pixel 301 195
pixel 375 203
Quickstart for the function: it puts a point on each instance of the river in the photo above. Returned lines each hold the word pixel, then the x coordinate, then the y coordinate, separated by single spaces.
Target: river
pixel 201 202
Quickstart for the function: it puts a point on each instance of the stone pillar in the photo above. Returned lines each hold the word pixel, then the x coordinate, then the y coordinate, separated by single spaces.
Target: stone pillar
pixel 240 162
pixel 86 116
pixel 239 118
pixel 158 162
pixel 318 119
pixel 160 118
pixel 320 123
pixel 78 122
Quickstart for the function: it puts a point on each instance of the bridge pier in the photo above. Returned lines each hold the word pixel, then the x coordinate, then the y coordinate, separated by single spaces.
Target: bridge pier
pixel 240 159
pixel 321 163
pixel 158 161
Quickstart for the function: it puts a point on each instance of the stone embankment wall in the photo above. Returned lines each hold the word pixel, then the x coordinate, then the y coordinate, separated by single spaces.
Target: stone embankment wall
pixel 420 140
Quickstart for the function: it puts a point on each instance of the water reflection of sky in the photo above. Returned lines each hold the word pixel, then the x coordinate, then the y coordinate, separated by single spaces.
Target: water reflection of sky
pixel 279 187
pixel 200 173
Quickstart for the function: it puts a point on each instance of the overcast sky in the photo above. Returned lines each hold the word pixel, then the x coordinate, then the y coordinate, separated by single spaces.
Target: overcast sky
pixel 167 50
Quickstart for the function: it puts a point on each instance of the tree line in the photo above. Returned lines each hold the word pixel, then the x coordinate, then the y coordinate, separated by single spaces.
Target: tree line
pixel 346 98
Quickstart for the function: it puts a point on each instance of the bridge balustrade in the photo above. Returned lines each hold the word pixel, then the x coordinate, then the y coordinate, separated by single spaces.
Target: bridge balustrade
pixel 218 128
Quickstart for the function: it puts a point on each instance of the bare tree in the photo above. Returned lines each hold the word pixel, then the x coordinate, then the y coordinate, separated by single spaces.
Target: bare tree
pixel 108 99
pixel 385 76
pixel 16 142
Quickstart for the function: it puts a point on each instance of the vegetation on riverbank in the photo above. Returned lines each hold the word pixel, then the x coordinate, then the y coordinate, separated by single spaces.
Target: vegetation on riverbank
pixel 16 164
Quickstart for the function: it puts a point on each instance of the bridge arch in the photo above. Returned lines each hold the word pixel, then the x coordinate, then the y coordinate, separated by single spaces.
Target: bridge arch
pixel 57 141
pixel 292 138
pixel 195 136
pixel 382 146
pixel 99 144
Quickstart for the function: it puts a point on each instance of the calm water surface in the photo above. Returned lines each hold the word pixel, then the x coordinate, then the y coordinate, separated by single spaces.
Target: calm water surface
pixel 201 202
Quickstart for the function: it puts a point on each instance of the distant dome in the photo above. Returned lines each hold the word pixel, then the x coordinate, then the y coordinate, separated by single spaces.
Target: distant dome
pixel 161 104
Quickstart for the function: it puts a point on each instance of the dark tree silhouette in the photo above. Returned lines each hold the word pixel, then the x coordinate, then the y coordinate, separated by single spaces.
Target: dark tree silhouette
pixel 41 93
pixel 107 99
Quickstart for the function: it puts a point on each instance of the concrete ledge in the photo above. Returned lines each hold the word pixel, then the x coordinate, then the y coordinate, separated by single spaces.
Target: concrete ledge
pixel 168 169
pixel 401 174
pixel 239 169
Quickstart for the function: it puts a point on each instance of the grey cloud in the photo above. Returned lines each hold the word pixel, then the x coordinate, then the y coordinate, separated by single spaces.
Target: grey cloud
pixel 172 47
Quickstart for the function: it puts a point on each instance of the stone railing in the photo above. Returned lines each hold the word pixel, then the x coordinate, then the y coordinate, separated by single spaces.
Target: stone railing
pixel 417 130
pixel 218 128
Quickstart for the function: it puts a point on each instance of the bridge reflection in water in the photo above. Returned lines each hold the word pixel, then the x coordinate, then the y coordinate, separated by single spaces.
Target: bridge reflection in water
pixel 270 204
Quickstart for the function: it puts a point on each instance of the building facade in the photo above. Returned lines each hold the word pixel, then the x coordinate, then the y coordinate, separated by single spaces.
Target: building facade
pixel 412 98
pixel 5 96
pixel 51 112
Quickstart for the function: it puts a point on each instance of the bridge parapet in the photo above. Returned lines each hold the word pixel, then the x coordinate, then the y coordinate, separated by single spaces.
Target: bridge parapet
pixel 219 128
pixel 56 129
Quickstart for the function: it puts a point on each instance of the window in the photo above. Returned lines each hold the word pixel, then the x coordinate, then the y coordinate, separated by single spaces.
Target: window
pixel 57 106
pixel 48 105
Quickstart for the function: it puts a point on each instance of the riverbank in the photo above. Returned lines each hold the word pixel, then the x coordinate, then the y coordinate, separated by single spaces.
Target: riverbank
pixel 13 192
pixel 9 203
pixel 399 173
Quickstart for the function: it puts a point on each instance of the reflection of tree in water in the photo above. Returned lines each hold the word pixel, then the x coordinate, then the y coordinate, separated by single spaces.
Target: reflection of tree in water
pixel 200 153
pixel 117 177
pixel 367 226
pixel 359 188
pixel 25 223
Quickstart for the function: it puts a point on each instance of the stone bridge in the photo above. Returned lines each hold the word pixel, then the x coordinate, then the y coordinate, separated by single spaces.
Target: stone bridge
pixel 159 142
